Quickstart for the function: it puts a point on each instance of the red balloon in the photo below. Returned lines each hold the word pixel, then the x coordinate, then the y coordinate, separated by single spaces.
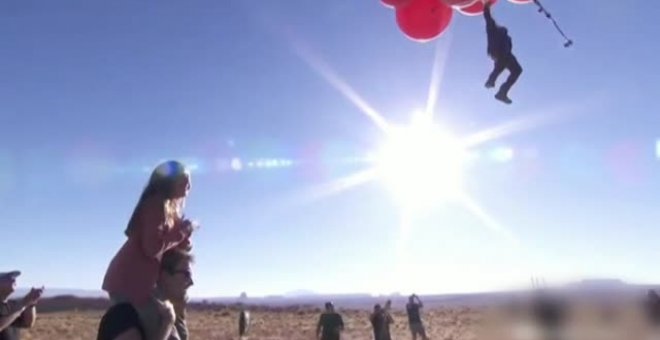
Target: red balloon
pixel 423 20
pixel 476 8
pixel 394 3
pixel 458 3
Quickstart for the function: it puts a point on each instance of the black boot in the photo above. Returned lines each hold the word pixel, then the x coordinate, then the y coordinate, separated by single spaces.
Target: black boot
pixel 501 96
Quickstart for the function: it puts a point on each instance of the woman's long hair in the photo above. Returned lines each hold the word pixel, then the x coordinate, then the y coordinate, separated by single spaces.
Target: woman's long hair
pixel 161 184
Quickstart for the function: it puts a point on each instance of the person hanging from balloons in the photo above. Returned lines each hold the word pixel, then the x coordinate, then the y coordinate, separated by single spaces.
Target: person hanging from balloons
pixel 500 50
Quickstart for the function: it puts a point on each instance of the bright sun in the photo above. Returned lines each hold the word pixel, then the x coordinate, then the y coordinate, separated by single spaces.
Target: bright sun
pixel 421 164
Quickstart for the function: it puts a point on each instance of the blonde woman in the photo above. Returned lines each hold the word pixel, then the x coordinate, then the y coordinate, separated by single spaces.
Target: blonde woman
pixel 156 226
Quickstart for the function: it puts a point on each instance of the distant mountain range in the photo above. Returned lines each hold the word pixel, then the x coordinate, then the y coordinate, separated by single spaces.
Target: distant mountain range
pixel 51 292
pixel 300 293
pixel 595 288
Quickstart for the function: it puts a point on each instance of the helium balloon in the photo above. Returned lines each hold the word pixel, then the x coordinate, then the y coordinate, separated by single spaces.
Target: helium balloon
pixel 458 3
pixel 423 20
pixel 476 8
pixel 394 3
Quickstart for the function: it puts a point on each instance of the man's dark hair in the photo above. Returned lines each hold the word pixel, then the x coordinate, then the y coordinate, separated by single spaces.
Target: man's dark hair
pixel 172 258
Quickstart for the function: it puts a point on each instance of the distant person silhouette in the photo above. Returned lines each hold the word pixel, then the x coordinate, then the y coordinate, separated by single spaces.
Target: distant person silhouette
pixel 377 320
pixel 415 318
pixel 387 317
pixel 549 313
pixel 380 322
pixel 652 308
pixel 500 50
pixel 330 325
pixel 243 322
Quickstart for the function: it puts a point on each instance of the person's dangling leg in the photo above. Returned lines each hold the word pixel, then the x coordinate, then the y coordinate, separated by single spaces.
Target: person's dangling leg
pixel 515 70
pixel 148 313
pixel 152 320
pixel 498 67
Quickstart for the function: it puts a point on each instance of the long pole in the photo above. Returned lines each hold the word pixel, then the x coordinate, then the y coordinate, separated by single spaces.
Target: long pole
pixel 547 14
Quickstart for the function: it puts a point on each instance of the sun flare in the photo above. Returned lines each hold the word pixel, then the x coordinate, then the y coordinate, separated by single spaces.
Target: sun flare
pixel 421 163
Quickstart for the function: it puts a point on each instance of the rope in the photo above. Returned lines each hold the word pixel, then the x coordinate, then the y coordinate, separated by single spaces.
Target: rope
pixel 542 10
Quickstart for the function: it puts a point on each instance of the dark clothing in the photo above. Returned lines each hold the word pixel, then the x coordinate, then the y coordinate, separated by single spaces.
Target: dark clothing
pixel 380 322
pixel 548 315
pixel 386 327
pixel 510 63
pixel 123 317
pixel 378 325
pixel 413 313
pixel 12 332
pixel 499 41
pixel 117 320
pixel 500 50
pixel 332 325
pixel 652 308
pixel 243 321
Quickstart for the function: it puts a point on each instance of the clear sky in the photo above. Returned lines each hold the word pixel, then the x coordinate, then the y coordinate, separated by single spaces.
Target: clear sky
pixel 92 93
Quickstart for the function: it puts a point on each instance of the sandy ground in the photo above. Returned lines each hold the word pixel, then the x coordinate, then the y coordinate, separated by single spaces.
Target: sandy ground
pixel 456 324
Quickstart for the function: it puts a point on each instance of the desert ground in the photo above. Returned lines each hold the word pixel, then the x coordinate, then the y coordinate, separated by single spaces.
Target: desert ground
pixel 441 324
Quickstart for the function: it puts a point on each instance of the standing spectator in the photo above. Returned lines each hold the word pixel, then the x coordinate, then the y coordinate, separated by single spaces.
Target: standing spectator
pixel 330 324
pixel 243 322
pixel 15 315
pixel 378 322
pixel 414 317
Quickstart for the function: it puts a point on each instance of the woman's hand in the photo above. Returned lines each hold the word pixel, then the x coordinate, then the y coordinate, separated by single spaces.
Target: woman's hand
pixel 186 244
pixel 188 226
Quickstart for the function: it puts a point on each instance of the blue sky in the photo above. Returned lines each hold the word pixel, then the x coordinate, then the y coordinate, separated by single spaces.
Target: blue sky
pixel 93 92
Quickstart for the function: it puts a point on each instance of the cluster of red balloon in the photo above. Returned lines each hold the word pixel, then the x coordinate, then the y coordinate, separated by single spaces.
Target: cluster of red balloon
pixel 425 20
pixel 472 8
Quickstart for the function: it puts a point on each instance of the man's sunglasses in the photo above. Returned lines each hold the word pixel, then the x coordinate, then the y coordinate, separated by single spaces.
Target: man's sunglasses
pixel 186 273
